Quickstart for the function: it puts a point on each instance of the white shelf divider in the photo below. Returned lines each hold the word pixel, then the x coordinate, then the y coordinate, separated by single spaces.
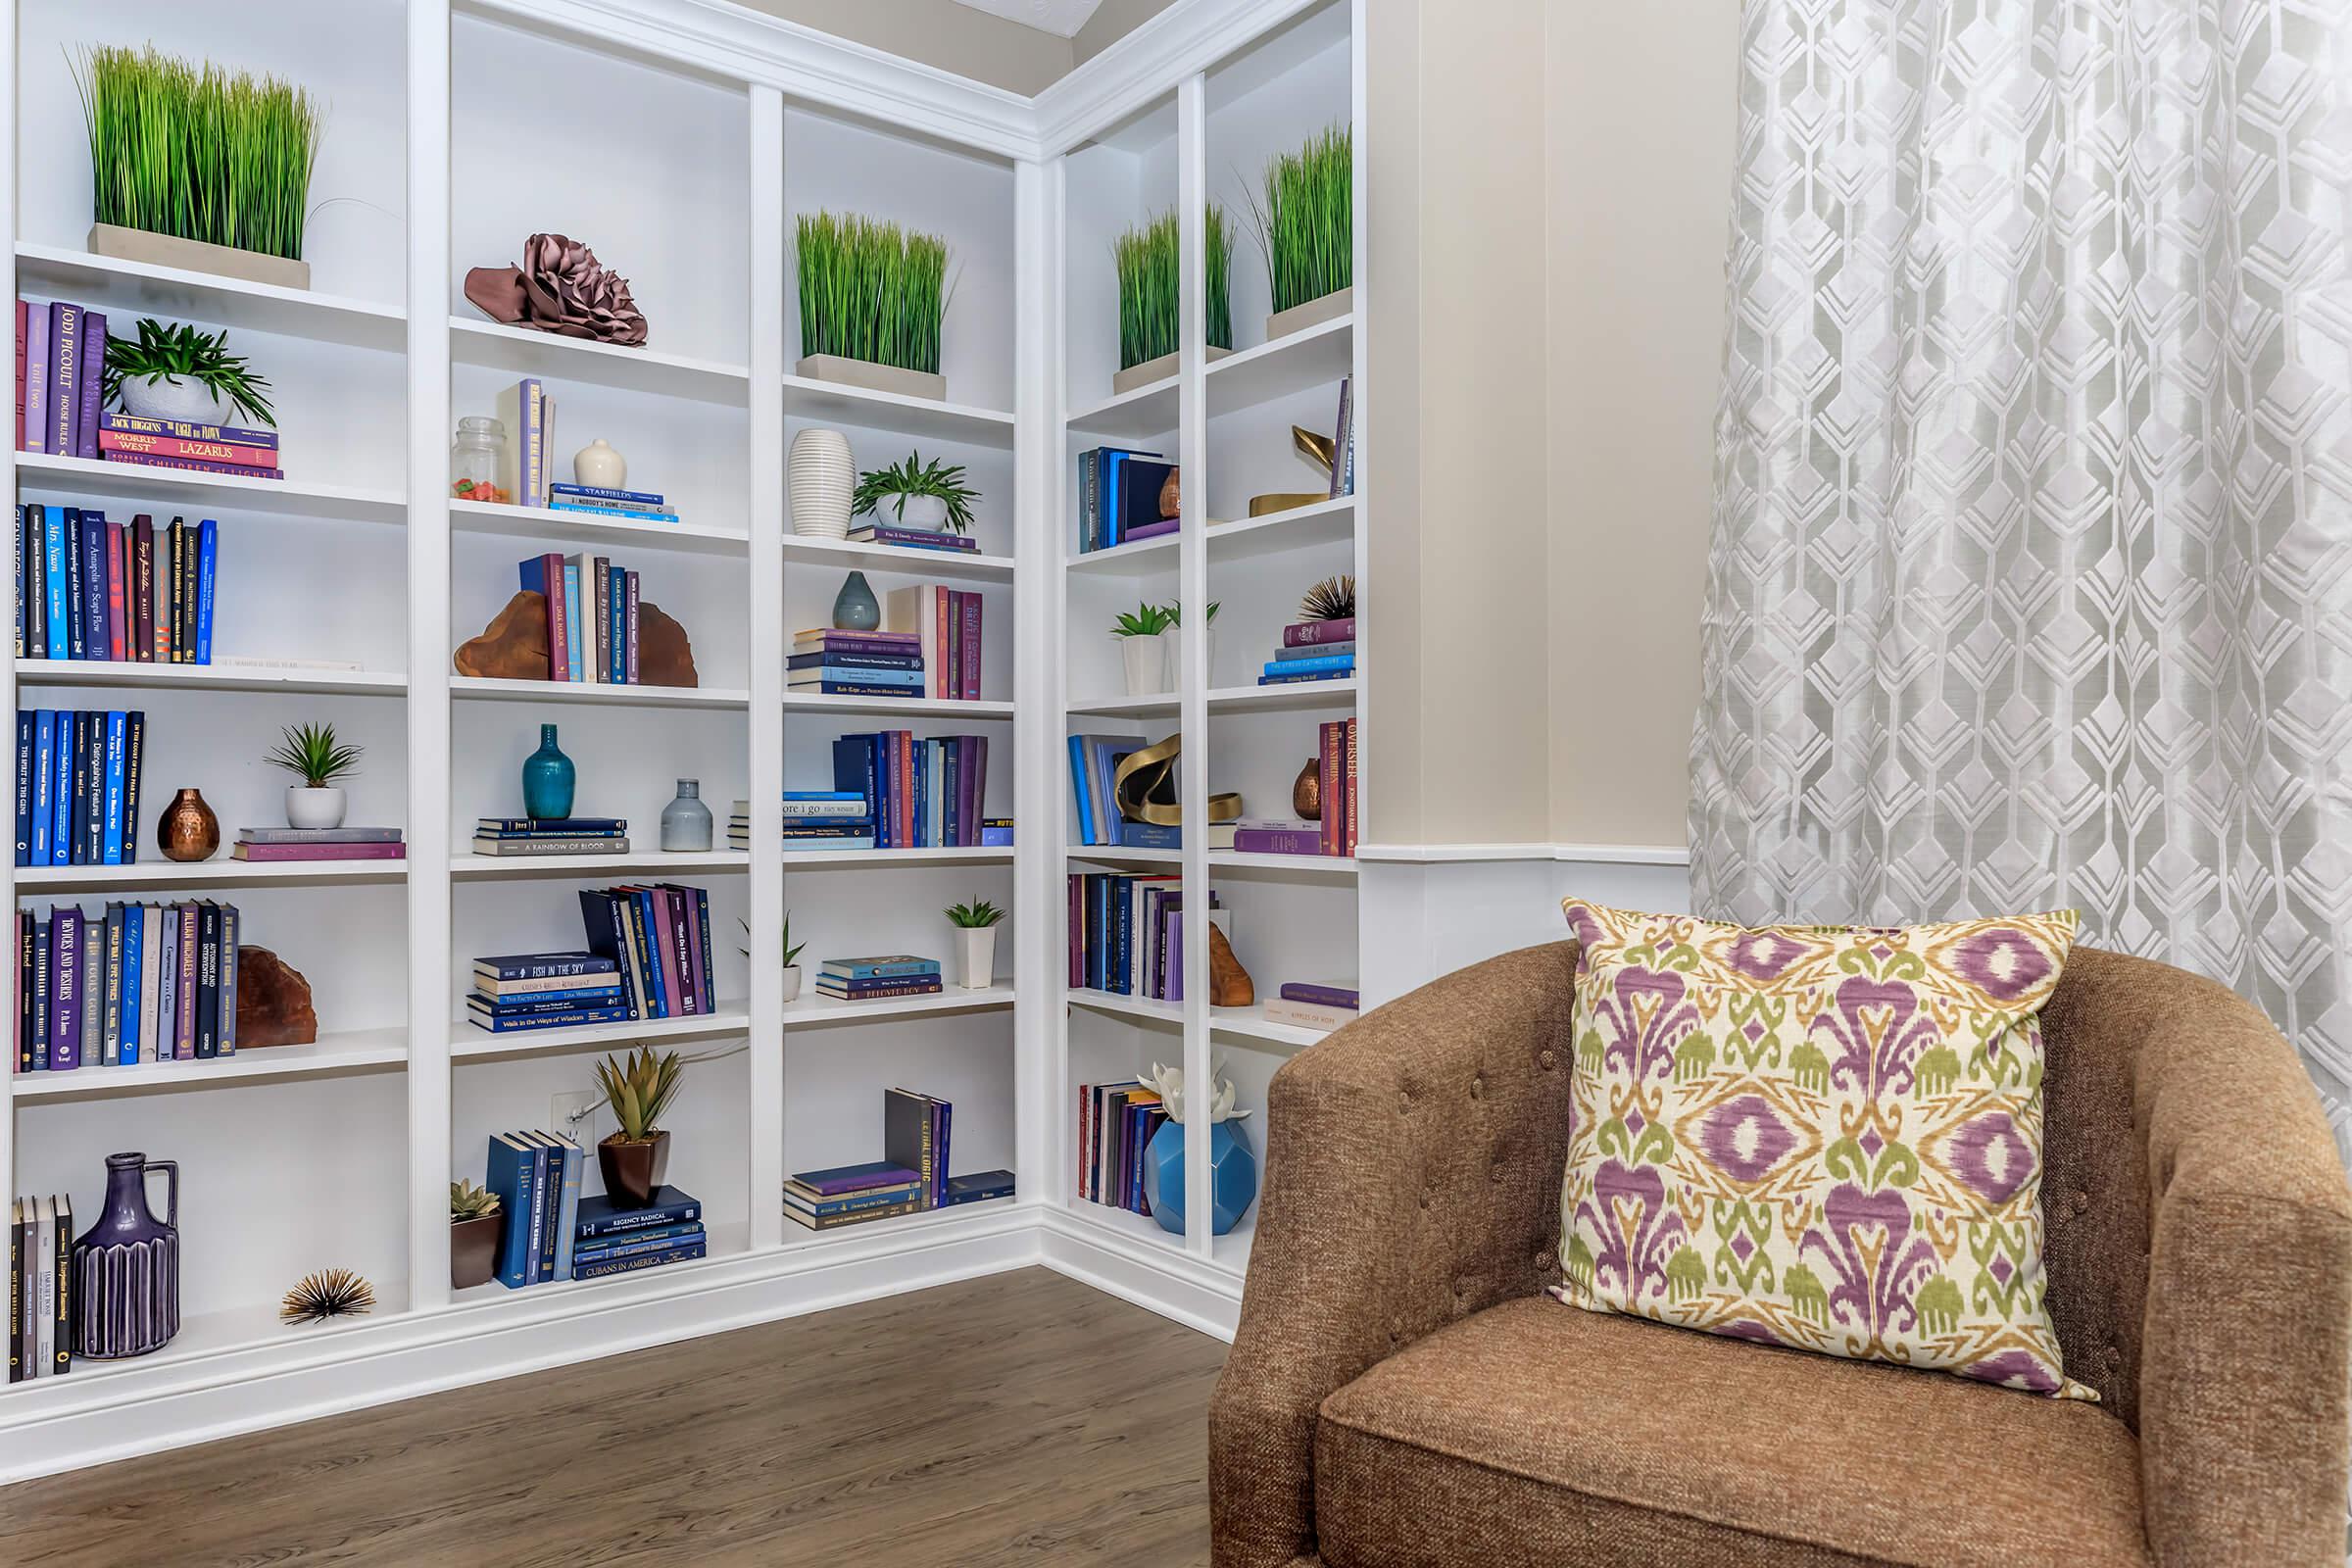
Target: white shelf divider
pixel 590 530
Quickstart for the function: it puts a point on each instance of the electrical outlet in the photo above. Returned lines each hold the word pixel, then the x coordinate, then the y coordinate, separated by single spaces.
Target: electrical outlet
pixel 571 1114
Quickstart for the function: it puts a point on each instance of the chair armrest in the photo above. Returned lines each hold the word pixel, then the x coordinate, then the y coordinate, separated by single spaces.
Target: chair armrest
pixel 2246 1327
pixel 1413 1165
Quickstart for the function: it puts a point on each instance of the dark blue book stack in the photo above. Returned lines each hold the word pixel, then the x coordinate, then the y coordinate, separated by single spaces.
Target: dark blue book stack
pixel 813 820
pixel 551 835
pixel 554 1232
pixel 608 1240
pixel 548 991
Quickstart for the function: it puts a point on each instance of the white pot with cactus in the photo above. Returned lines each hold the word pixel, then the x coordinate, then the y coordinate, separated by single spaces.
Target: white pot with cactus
pixel 1174 637
pixel 313 754
pixel 1144 649
pixel 975 926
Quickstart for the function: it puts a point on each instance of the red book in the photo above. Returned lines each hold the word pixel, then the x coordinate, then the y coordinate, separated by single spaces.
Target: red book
pixel 150 459
pixel 1348 775
pixel 322 851
pixel 111 442
pixel 142 586
pixel 117 615
pixel 1327 778
pixel 902 745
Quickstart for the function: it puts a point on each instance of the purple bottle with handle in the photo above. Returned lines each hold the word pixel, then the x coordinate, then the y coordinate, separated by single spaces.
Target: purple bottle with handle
pixel 126 1266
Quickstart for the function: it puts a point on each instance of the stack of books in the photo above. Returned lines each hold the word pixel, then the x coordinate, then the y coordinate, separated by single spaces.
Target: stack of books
pixel 133 593
pixel 813 820
pixel 609 1241
pixel 553 1233
pixel 1312 650
pixel 873 531
pixel 521 991
pixel 946 624
pixel 78 786
pixel 926 793
pixel 1126 933
pixel 659 937
pixel 139 984
pixel 551 835
pixel 1115 1124
pixel 1118 497
pixel 912 1175
pixel 1335 833
pixel 41 1286
pixel 591 618
pixel 852 1194
pixel 61 364
pixel 627 506
pixel 856 664
pixel 1093 763
pixel 1313 1007
pixel 319 844
pixel 870 979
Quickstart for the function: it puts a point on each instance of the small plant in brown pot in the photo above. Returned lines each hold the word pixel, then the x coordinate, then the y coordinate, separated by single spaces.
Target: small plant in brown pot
pixel 474 1224
pixel 635 1160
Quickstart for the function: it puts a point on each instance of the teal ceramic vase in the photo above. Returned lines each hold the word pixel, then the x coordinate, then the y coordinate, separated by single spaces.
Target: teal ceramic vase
pixel 548 778
pixel 855 609
pixel 1232 1175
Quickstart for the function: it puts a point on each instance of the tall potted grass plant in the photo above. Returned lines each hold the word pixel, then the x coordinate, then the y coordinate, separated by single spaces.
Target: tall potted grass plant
pixel 1150 266
pixel 873 304
pixel 1305 224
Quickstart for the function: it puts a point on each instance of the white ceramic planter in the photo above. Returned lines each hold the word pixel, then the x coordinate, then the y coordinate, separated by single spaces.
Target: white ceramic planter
pixel 1175 638
pixel 823 478
pixel 791 982
pixel 979 949
pixel 308 807
pixel 174 397
pixel 1147 662
pixel 922 511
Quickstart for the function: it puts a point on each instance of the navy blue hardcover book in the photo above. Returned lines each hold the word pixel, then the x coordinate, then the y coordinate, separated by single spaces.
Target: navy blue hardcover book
pixel 608 936
pixel 855 770
pixel 94 585
pixel 651 1238
pixel 501 1023
pixel 681 1253
pixel 509 1175
pixel 848 661
pixel 569 827
pixel 557 1002
pixel 135 746
pixel 541 965
pixel 855 1202
pixel 25 728
pixel 671 1206
pixel 977 1187
pixel 75 624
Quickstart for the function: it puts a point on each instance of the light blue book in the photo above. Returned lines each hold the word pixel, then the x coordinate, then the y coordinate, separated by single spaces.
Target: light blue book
pixel 1308 667
pixel 910 679
pixel 613 511
pixel 117 727
pixel 571 613
pixel 875 968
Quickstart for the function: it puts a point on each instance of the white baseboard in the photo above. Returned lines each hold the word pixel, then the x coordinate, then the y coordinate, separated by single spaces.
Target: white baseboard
pixel 1198 1295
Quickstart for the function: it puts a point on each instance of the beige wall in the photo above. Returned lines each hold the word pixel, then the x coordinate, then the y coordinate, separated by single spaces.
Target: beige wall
pixel 939 32
pixel 1113 21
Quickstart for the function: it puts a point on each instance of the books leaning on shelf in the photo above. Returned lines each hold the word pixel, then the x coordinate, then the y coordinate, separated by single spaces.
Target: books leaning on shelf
pixel 813 820
pixel 1126 933
pixel 946 624
pixel 130 593
pixel 1335 834
pixel 138 984
pixel 78 786
pixel 1312 650
pixel 523 990
pixel 1115 1124
pixel 658 937
pixel 298 844
pixel 592 617
pixel 926 793
pixel 871 531
pixel 1313 1007
pixel 1093 763
pixel 551 835
pixel 555 1233
pixel 870 979
pixel 1118 497
pixel 41 1287
pixel 61 364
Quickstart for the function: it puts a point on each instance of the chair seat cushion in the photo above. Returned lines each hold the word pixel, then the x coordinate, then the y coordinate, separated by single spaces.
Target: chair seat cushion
pixel 1533 1433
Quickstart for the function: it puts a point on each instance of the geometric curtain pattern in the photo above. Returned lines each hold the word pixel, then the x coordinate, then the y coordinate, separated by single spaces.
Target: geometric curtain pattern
pixel 2030 575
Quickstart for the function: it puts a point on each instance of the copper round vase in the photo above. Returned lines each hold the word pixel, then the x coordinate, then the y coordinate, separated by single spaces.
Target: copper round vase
pixel 187 830
pixel 633 1172
pixel 1306 792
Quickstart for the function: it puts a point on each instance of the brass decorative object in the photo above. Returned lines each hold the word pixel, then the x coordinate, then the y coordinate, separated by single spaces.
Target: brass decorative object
pixel 1144 788
pixel 1315 448
pixel 187 830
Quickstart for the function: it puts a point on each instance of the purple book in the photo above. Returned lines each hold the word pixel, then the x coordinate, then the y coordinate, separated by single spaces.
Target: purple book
pixel 1150 530
pixel 1175 956
pixel 923 539
pixel 36 377
pixel 862 642
pixel 1322 996
pixel 839 1179
pixel 322 851
pixel 65 940
pixel 64 377
pixel 1309 633
pixel 1274 840
pixel 85 409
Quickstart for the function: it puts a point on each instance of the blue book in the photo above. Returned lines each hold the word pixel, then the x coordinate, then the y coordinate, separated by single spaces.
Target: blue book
pixel 572 618
pixel 671 1206
pixel 134 957
pixel 857 770
pixel 884 1197
pixel 1300 680
pixel 116 725
pixel 633 514
pixel 61 790
pixel 545 1146
pixel 840 658
pixel 636 1243
pixel 208 551
pixel 977 1187
pixel 589 492
pixel 1150 836
pixel 684 1252
pixel 831 842
pixel 53 580
pixel 825 795
pixel 542 965
pixel 513 1023
pixel 645 933
pixel 576 1160
pixel 1315 650
pixel 857 686
pixel 879 968
pixel 510 1177
pixel 538 1001
pixel 27 719
pixel 1301 666
pixel 895 680
pixel 1086 815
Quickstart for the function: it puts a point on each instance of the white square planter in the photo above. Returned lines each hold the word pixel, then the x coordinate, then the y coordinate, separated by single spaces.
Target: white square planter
pixel 1314 313
pixel 195 256
pixel 1151 371
pixel 873 377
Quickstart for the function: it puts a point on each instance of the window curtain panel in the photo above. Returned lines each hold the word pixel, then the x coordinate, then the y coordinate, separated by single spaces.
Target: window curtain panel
pixel 2030 575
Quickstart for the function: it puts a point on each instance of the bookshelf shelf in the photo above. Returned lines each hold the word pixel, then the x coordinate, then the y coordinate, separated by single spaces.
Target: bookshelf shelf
pixel 955 564
pixel 43 476
pixel 520 351
pixel 487 867
pixel 1143 558
pixel 1308 694
pixel 359 1051
pixel 918 419
pixel 1126 707
pixel 1252 1024
pixel 1147 411
pixel 811 1009
pixel 1171 1013
pixel 108 284
pixel 951 854
pixel 209 677
pixel 583 528
pixel 725 1241
pixel 1301 864
pixel 474 689
pixel 467 1041
pixel 1326 523
pixel 893 706
pixel 220 872
pixel 1322 355
pixel 1112 855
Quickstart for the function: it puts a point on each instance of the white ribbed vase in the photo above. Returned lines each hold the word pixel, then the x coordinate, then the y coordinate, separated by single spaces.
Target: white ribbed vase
pixel 823 476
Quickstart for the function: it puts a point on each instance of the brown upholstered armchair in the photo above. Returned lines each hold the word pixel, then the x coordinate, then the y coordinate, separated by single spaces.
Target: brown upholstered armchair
pixel 1401 1391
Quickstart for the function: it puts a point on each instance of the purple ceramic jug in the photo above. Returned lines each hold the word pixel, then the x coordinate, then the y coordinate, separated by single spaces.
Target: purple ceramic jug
pixel 125 1277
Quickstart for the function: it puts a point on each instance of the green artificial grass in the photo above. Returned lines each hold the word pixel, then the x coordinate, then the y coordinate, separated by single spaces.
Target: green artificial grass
pixel 1151 271
pixel 196 152
pixel 870 291
pixel 1305 222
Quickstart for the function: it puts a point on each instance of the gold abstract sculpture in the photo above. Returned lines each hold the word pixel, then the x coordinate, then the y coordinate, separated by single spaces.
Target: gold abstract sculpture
pixel 1315 448
pixel 1144 788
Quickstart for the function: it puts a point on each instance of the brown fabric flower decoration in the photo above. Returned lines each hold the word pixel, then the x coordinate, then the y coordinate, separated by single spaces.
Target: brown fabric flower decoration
pixel 561 287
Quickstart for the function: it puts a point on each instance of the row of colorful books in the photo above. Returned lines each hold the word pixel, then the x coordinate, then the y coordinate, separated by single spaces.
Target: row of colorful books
pixel 267 844
pixel 844 819
pixel 647 955
pixel 78 786
pixel 525 836
pixel 909 1178
pixel 61 372
pixel 41 1286
pixel 1115 1124
pixel 1126 933
pixel 1312 650
pixel 553 1233
pixel 133 593
pixel 1118 497
pixel 1334 831
pixel 139 984
pixel 896 790
pixel 1093 764
pixel 591 616
pixel 872 978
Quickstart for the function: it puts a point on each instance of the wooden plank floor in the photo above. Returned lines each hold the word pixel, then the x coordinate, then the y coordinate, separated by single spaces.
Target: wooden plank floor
pixel 1022 1418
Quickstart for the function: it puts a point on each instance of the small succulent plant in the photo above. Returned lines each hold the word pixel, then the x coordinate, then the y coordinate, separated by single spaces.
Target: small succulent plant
pixel 468 1201
pixel 974 916
pixel 639 1088
pixel 313 754
pixel 1144 620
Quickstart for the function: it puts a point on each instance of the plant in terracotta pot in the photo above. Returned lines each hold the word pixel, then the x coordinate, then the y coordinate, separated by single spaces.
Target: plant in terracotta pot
pixel 474 1224
pixel 1143 650
pixel 975 926
pixel 635 1159
pixel 315 755
pixel 177 372
pixel 930 496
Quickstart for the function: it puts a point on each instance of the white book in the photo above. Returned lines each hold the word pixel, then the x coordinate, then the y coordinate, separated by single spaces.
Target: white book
pixel 44 1287
pixel 1307 1014
pixel 916 610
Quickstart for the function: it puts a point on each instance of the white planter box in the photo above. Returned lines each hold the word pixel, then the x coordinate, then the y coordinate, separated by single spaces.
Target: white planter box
pixel 873 377
pixel 1314 313
pixel 195 256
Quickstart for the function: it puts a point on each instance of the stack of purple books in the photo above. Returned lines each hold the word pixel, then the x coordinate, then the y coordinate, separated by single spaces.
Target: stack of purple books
pixel 319 843
pixel 851 1195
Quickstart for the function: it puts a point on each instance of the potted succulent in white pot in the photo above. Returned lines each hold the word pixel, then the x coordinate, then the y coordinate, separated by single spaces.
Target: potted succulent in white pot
pixel 177 372
pixel 313 754
pixel 975 926
pixel 792 956
pixel 928 496
pixel 1142 649
pixel 1175 638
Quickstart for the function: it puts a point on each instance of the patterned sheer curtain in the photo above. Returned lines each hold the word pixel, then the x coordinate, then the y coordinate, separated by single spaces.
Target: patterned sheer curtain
pixel 2032 572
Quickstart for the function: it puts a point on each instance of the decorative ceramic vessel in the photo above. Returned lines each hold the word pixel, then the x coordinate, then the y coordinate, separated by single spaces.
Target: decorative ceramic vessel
pixel 1232 1175
pixel 187 830
pixel 320 808
pixel 686 820
pixel 978 944
pixel 599 467
pixel 791 982
pixel 1306 792
pixel 174 397
pixel 1147 663
pixel 855 608
pixel 548 778
pixel 633 1172
pixel 126 1266
pixel 473 1250
pixel 920 512
pixel 823 477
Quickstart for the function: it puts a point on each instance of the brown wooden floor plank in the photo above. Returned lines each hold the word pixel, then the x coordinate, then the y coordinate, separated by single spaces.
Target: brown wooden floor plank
pixel 1018 1419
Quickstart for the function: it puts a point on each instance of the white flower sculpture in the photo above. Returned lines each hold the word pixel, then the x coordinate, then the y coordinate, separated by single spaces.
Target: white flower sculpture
pixel 1169 1081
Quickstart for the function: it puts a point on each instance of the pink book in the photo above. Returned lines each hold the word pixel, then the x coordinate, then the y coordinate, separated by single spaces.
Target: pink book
pixel 664 943
pixel 147 459
pixel 1310 633
pixel 322 851
pixel 971 647
pixel 184 1046
pixel 111 442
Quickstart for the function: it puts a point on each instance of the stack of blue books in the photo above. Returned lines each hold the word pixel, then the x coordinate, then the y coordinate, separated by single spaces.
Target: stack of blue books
pixel 896 974
pixel 546 991
pixel 813 820
pixel 606 1240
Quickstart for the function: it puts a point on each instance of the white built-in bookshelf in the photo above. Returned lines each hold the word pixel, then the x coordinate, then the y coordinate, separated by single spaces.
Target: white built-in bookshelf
pixel 680 139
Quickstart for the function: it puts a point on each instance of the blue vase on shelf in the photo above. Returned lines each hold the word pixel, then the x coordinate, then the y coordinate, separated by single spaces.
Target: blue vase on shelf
pixel 548 778
pixel 1232 1175
pixel 855 609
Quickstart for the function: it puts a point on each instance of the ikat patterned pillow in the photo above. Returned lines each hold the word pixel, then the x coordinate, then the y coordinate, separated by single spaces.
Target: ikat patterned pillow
pixel 1819 1137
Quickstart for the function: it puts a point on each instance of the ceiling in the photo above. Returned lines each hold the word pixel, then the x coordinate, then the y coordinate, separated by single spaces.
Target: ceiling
pixel 1061 18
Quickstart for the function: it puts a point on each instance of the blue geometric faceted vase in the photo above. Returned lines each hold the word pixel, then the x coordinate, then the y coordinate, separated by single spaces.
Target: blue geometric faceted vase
pixel 127 1267
pixel 1232 1175
pixel 548 778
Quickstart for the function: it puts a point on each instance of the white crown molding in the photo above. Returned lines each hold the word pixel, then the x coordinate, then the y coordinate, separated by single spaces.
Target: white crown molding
pixel 1586 854
pixel 1190 35
pixel 1060 18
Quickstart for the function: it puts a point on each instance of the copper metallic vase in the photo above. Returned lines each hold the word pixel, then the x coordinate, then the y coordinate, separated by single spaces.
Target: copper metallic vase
pixel 187 830
pixel 1306 791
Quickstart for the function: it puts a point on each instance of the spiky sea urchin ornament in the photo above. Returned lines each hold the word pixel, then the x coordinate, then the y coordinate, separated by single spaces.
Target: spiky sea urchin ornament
pixel 1332 599
pixel 329 1292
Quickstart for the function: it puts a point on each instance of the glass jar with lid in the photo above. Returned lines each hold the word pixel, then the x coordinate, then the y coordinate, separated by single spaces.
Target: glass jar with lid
pixel 477 458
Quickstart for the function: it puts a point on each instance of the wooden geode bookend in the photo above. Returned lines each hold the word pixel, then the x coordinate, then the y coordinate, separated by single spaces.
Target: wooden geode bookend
pixel 514 647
